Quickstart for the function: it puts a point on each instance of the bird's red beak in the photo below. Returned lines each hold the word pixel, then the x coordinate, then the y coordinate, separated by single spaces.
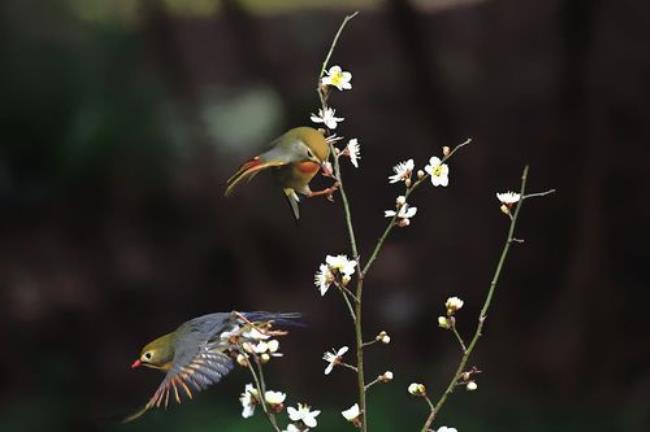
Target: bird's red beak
pixel 136 364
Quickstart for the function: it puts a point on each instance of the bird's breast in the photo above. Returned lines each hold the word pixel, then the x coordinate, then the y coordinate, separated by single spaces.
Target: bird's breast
pixel 308 167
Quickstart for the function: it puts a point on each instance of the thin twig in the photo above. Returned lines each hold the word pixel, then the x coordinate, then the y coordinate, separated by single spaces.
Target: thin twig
pixel 333 45
pixel 372 342
pixel 538 194
pixel 430 418
pixel 459 338
pixel 349 305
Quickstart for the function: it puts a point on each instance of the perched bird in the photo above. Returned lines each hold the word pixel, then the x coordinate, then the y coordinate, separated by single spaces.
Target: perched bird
pixel 294 158
pixel 200 352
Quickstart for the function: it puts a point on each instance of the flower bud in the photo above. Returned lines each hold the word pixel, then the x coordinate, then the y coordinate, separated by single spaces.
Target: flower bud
pixel 403 223
pixel 471 386
pixel 265 358
pixel 444 322
pixel 408 182
pixel 504 209
pixel 417 389
pixel 420 174
pixel 385 377
pixel 453 304
pixel 445 151
pixel 400 201
pixel 383 337
pixel 242 360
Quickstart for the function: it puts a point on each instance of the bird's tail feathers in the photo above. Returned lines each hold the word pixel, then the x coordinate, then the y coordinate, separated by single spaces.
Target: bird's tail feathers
pixel 136 415
pixel 248 170
pixel 291 319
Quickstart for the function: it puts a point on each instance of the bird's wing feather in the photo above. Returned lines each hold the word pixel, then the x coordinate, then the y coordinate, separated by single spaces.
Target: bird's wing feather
pixel 194 368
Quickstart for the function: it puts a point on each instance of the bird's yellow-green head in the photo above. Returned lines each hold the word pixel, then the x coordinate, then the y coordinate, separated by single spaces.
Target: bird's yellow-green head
pixel 317 148
pixel 157 354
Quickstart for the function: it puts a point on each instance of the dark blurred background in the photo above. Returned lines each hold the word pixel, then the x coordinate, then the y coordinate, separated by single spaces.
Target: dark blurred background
pixel 121 121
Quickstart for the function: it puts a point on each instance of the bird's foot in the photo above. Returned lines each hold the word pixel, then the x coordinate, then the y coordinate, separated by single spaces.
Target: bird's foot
pixel 327 192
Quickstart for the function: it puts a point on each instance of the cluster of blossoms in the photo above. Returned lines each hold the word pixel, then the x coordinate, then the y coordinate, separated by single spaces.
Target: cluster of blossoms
pixel 250 398
pixel 436 169
pixel 453 304
pixel 336 270
pixel 403 172
pixel 252 340
pixel 303 417
pixel 337 77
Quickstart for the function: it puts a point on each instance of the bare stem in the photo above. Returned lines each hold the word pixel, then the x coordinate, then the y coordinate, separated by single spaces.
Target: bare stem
pixel 459 338
pixel 349 305
pixel 435 409
pixel 333 45
pixel 538 194
pixel 430 418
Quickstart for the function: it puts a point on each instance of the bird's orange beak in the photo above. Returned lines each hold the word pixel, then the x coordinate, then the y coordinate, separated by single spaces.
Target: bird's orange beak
pixel 136 364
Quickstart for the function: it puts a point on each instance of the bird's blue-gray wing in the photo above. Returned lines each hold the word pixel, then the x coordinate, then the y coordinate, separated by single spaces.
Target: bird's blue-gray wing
pixel 195 367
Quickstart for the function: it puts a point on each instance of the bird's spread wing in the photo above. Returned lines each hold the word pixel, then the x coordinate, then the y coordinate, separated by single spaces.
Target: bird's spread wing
pixel 193 369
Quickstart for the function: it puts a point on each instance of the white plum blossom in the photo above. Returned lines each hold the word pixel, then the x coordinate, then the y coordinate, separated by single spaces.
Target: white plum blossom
pixel 453 304
pixel 342 264
pixel 274 397
pixel 263 347
pixel 249 399
pixel 353 150
pixel 334 266
pixel 304 414
pixel 404 214
pixel 338 78
pixel 508 198
pixel 352 413
pixel 324 278
pixel 334 358
pixel 403 171
pixel 438 171
pixel 293 428
pixel 327 117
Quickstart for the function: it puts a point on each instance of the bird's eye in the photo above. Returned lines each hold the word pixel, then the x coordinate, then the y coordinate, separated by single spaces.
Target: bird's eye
pixel 310 153
pixel 147 355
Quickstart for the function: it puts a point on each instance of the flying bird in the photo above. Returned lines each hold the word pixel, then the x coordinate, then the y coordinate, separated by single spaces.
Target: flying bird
pixel 200 352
